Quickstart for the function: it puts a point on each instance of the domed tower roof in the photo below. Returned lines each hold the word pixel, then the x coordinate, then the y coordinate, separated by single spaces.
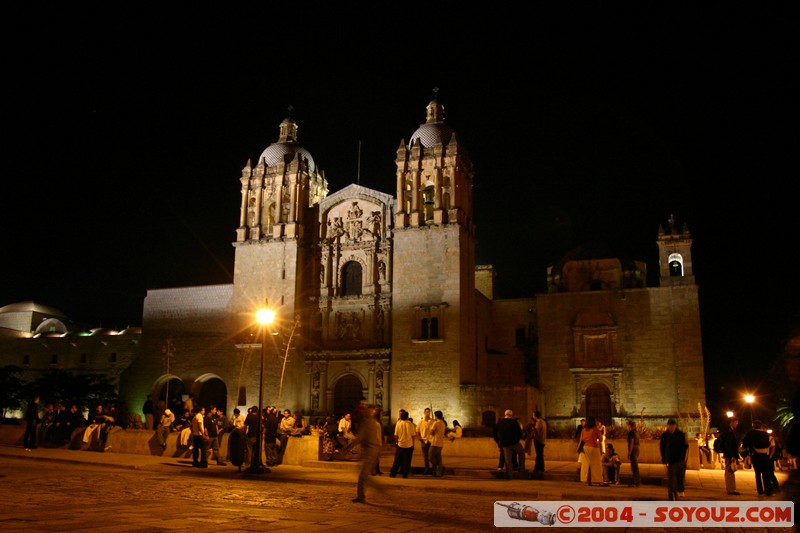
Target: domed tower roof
pixel 434 130
pixel 286 147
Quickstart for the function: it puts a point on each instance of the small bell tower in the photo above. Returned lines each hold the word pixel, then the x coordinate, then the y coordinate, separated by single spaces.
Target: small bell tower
pixel 675 255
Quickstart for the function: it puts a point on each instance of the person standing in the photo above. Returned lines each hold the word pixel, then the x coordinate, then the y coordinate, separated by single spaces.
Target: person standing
pixel 237 422
pixel 729 448
pixel 528 432
pixel 539 441
pixel 581 456
pixel 759 446
pixel 633 452
pixel 188 405
pixel 370 437
pixel 601 429
pixel 199 433
pixel 211 423
pixel 251 422
pixel 404 433
pixel 590 466
pixel 507 434
pixel 437 443
pixel 673 448
pixel 271 435
pixel 31 423
pixel 148 409
pixel 424 434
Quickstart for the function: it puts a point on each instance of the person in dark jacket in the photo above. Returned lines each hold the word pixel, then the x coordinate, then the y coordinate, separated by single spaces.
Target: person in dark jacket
pixel 729 448
pixel 211 423
pixel 760 446
pixel 272 436
pixel 507 434
pixel 31 423
pixel 673 454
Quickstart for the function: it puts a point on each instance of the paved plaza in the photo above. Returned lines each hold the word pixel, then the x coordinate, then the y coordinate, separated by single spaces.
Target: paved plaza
pixel 286 494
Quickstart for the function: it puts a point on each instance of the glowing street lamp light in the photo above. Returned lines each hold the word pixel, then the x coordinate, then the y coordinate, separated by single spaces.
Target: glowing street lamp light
pixel 749 399
pixel 729 414
pixel 264 317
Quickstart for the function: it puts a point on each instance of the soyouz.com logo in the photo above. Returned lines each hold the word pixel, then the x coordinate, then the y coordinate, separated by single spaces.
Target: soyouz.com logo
pixel 643 514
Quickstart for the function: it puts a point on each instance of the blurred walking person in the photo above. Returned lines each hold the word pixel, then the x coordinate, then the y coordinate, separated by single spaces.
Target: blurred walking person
pixel 370 438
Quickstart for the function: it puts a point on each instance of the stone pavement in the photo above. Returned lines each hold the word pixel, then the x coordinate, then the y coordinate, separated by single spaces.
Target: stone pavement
pixel 463 474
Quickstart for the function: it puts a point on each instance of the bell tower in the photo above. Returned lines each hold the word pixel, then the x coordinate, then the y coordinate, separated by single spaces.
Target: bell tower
pixel 275 245
pixel 433 291
pixel 675 255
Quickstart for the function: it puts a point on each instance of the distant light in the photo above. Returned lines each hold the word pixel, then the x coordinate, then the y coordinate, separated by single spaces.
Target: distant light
pixel 749 398
pixel 729 414
pixel 265 316
pixel 769 431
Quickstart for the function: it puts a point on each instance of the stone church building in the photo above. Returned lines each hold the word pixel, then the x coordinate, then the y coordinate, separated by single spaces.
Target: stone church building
pixel 378 296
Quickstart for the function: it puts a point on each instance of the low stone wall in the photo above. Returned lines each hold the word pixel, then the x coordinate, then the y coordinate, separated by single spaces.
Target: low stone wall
pixel 307 448
pixel 563 450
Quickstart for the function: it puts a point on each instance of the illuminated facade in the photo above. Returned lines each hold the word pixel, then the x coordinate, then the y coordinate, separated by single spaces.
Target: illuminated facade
pixel 378 296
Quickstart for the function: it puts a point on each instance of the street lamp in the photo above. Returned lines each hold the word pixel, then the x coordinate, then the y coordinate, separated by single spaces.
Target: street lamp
pixel 264 317
pixel 729 414
pixel 749 399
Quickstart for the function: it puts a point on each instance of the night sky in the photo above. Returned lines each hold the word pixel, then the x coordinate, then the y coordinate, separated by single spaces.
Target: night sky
pixel 126 132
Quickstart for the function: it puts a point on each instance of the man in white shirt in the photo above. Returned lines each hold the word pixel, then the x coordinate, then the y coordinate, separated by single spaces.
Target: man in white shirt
pixel 404 432
pixel 165 426
pixel 424 434
pixel 346 435
pixel 198 439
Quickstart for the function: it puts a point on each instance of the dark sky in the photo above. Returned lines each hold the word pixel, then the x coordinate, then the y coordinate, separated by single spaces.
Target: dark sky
pixel 126 132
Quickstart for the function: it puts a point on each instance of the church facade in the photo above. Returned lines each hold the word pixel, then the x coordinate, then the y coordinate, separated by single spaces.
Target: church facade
pixel 378 296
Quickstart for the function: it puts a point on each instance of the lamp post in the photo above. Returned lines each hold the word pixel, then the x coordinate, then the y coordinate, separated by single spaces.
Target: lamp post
pixel 265 317
pixel 749 399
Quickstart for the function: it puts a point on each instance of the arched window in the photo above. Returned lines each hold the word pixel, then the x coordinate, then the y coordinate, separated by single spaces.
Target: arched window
pixel 351 279
pixel 428 200
pixel 434 328
pixel 424 329
pixel 675 265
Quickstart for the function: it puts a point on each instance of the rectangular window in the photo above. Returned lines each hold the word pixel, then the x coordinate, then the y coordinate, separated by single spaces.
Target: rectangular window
pixel 112 357
pixel 84 359
pixel 26 360
pixel 53 359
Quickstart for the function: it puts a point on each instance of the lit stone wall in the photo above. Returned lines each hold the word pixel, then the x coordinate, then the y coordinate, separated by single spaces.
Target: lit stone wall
pixel 428 270
pixel 657 369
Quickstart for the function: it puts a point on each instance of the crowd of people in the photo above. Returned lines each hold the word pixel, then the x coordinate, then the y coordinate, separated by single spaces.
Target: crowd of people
pixel 53 424
pixel 359 435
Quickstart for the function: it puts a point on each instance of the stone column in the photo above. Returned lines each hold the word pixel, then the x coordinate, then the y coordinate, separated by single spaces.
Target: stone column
pixel 371 382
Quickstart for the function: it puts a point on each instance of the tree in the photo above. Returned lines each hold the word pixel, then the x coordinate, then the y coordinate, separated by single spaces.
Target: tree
pixel 84 390
pixel 12 389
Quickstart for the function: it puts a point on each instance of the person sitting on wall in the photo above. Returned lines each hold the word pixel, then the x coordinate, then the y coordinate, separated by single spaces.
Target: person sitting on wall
pixel 610 461
pixel 97 432
pixel 165 427
pixel 456 432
